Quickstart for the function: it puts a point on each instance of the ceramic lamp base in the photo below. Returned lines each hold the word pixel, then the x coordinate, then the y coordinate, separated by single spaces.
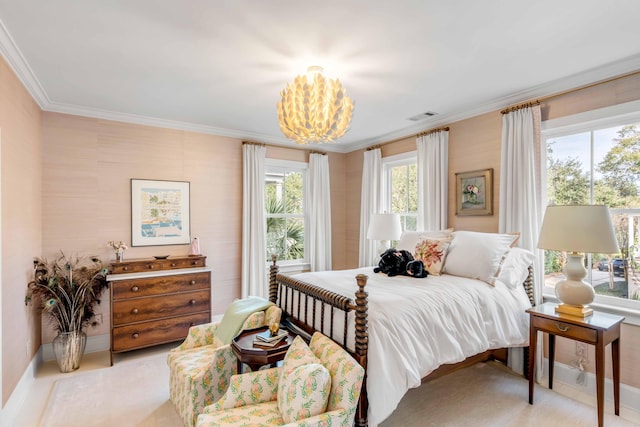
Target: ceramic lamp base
pixel 575 310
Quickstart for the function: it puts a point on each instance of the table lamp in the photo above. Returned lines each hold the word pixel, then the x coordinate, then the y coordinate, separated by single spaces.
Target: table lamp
pixel 577 229
pixel 384 227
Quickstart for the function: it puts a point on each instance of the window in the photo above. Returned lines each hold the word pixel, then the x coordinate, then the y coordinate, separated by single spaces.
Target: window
pixel 285 205
pixel 401 183
pixel 599 163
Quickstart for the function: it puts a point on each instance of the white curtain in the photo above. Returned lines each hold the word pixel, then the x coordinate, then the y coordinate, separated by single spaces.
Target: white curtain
pixel 521 194
pixel 320 213
pixel 433 176
pixel 254 223
pixel 370 203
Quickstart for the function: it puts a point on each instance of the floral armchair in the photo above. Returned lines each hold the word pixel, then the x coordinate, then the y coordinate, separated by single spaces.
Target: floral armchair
pixel 302 392
pixel 200 367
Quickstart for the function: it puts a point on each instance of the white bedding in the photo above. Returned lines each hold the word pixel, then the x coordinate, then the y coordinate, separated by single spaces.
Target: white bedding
pixel 416 325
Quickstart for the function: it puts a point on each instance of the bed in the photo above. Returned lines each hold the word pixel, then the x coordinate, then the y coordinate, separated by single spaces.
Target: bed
pixel 405 330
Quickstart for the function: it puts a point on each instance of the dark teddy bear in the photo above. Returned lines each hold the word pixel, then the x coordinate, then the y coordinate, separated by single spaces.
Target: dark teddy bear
pixel 394 262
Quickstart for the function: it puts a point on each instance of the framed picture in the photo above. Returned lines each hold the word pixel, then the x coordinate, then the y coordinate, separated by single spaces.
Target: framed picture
pixel 474 193
pixel 159 213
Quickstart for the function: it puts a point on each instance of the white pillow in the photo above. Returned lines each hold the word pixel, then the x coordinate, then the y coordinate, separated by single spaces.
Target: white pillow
pixel 410 239
pixel 515 268
pixel 478 255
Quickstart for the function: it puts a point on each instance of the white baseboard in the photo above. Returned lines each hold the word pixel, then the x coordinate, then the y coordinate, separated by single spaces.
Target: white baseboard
pixel 95 343
pixel 565 382
pixel 11 411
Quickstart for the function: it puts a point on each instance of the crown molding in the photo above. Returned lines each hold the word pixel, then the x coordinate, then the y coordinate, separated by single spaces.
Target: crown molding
pixel 17 62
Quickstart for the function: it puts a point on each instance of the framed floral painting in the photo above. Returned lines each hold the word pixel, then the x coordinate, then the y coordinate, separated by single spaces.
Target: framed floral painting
pixel 474 193
pixel 159 213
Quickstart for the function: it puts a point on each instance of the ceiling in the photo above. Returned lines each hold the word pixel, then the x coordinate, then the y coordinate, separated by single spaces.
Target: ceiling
pixel 218 66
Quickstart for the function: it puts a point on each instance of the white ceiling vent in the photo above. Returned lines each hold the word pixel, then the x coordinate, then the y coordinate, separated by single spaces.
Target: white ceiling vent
pixel 422 116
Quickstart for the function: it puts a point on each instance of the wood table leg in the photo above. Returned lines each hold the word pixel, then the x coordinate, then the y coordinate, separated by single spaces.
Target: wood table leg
pixel 533 338
pixel 600 381
pixel 615 364
pixel 552 358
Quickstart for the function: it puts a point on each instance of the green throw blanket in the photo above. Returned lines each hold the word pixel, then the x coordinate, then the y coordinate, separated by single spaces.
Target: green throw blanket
pixel 236 314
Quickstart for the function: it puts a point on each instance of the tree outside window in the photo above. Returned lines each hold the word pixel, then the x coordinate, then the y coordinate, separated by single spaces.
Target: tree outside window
pixel 284 205
pixel 403 179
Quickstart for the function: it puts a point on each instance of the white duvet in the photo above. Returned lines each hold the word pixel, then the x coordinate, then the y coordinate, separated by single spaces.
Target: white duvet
pixel 416 325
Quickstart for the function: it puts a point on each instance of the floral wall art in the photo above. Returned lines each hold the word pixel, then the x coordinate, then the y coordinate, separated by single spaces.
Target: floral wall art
pixel 474 192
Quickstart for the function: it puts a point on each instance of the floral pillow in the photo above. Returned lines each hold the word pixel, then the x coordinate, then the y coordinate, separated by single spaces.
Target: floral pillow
pixel 298 354
pixel 410 239
pixel 304 392
pixel 432 253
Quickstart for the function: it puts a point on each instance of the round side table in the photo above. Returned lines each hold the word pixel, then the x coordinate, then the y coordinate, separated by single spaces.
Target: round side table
pixel 255 357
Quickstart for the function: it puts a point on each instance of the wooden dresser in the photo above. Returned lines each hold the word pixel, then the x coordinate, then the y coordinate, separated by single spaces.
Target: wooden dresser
pixel 155 301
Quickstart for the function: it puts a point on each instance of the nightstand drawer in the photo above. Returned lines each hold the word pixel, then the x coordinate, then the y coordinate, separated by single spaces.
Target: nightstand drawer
pixel 565 329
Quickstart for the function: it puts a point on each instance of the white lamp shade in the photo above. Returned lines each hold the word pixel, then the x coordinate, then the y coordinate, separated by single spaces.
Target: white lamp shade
pixel 578 228
pixel 384 226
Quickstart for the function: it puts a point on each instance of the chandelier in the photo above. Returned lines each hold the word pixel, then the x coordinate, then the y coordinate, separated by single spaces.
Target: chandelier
pixel 314 108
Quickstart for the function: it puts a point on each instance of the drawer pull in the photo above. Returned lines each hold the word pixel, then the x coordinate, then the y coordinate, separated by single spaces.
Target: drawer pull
pixel 135 335
pixel 192 302
pixel 151 266
pixel 134 311
pixel 125 268
pixel 135 289
pixel 194 262
pixel 173 264
pixel 562 328
pixel 193 282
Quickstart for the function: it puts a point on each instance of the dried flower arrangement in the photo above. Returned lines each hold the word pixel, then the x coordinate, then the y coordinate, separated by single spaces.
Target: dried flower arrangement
pixel 68 289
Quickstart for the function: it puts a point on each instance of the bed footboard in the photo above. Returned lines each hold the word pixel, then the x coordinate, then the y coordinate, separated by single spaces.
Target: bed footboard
pixel 307 308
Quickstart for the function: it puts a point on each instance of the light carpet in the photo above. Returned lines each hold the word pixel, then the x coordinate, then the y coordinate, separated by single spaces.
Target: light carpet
pixel 136 394
pixel 130 393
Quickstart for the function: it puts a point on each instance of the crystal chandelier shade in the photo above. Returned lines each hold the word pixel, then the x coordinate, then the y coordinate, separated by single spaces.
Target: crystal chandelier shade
pixel 314 109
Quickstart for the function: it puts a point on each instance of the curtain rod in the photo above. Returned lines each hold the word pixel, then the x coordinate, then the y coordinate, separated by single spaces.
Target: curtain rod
pixel 429 132
pixel 568 91
pixel 262 144
pixel 441 129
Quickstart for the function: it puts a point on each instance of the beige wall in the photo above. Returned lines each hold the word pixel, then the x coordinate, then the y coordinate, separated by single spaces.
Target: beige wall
pixel 20 153
pixel 87 167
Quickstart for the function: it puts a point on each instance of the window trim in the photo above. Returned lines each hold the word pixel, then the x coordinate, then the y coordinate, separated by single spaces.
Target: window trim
pixel 280 165
pixel 592 121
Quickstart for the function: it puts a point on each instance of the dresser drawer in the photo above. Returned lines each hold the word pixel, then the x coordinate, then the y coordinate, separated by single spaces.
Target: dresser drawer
pixel 141 309
pixel 155 332
pixel 564 329
pixel 136 266
pixel 142 265
pixel 191 262
pixel 136 288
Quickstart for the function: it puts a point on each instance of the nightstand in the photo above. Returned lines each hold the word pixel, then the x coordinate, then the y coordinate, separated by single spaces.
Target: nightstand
pixel 255 357
pixel 599 329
